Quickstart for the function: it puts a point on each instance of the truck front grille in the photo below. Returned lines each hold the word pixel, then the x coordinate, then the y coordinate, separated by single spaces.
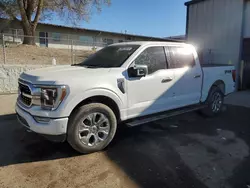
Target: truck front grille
pixel 24 92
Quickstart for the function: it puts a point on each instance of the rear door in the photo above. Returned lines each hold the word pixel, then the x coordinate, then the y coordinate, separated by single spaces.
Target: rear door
pixel 187 73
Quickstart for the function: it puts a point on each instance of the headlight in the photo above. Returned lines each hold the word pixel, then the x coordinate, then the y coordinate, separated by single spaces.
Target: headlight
pixel 49 97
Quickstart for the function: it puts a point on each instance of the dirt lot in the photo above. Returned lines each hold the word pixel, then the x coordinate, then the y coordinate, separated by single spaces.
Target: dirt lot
pixel 24 54
pixel 185 151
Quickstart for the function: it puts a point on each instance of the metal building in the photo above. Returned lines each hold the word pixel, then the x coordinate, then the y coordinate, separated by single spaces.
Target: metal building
pixel 220 30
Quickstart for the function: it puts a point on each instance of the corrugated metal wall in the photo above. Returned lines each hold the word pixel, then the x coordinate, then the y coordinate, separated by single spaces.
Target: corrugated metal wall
pixel 214 27
pixel 247 20
pixel 246 48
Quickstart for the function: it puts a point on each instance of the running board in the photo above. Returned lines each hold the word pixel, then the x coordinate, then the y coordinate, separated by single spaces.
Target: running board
pixel 163 115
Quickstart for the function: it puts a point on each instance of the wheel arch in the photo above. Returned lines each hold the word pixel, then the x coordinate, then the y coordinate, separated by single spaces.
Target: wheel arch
pixel 209 111
pixel 220 84
pixel 99 99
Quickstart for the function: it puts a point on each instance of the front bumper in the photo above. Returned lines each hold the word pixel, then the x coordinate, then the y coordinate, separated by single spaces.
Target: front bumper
pixel 55 127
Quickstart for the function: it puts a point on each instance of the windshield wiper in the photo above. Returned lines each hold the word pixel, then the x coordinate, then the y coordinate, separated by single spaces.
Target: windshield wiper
pixel 87 66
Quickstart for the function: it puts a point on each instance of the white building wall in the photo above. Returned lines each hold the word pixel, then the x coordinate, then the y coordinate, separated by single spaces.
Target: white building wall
pixel 214 27
pixel 68 36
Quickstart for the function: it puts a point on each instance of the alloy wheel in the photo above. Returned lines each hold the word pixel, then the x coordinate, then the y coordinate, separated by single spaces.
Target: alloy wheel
pixel 94 129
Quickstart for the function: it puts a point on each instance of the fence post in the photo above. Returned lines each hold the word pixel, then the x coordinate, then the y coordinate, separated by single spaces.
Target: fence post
pixel 72 53
pixel 4 54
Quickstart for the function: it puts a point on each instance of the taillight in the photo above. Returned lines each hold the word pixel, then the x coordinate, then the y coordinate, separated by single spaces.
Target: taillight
pixel 234 75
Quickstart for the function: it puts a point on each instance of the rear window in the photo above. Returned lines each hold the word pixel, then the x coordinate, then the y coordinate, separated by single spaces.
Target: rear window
pixel 179 57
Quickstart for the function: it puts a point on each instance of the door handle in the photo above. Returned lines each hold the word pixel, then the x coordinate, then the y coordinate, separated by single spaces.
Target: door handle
pixel 165 80
pixel 197 76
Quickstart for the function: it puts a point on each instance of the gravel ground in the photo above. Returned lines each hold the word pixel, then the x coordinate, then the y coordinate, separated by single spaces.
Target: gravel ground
pixel 184 151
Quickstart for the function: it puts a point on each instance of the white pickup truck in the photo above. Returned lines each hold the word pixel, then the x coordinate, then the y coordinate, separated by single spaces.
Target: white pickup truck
pixel 135 83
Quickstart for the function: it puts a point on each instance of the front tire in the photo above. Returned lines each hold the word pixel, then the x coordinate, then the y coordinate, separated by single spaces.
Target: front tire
pixel 214 102
pixel 91 128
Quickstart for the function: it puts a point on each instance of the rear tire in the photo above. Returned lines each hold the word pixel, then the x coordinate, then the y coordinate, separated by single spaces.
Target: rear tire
pixel 214 101
pixel 91 128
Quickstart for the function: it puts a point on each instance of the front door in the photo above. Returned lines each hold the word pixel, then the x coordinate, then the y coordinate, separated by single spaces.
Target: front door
pixel 152 93
pixel 188 75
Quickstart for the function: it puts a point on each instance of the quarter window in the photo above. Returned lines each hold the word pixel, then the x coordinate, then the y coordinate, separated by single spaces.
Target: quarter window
pixel 179 57
pixel 153 57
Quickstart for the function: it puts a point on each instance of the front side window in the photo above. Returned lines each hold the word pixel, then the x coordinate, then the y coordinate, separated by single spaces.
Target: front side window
pixel 179 57
pixel 111 56
pixel 154 58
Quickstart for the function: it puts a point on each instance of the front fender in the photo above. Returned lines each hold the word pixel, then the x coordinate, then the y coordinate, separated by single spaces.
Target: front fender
pixel 72 103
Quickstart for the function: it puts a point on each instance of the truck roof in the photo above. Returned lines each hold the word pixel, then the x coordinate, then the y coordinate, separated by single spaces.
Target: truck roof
pixel 148 43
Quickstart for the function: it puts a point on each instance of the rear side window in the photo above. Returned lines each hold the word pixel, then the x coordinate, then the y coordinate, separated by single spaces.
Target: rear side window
pixel 154 58
pixel 179 57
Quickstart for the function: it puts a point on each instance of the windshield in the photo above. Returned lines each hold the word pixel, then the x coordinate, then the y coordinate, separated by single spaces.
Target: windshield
pixel 111 56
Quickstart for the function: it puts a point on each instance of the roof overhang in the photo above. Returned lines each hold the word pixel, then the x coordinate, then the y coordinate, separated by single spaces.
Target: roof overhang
pixel 193 2
pixel 98 31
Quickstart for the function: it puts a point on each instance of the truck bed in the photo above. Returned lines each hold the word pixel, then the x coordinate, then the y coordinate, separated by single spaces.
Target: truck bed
pixel 215 65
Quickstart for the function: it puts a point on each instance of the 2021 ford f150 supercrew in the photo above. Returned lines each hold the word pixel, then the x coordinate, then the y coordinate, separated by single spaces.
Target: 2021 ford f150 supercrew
pixel 135 82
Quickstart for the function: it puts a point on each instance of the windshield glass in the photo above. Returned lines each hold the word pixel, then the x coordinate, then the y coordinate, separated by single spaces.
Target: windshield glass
pixel 111 56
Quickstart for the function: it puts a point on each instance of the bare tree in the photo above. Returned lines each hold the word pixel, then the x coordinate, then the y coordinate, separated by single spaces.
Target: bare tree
pixel 31 11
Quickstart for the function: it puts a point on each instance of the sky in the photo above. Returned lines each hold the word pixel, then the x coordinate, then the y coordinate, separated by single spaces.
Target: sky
pixel 158 18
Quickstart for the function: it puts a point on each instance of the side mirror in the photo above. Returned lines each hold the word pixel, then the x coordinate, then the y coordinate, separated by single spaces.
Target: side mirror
pixel 138 71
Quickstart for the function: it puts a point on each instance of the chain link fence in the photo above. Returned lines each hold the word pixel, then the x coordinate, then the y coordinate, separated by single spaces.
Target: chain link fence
pixel 46 51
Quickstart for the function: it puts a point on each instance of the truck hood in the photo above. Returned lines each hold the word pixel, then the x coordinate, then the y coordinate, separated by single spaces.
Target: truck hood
pixel 61 74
